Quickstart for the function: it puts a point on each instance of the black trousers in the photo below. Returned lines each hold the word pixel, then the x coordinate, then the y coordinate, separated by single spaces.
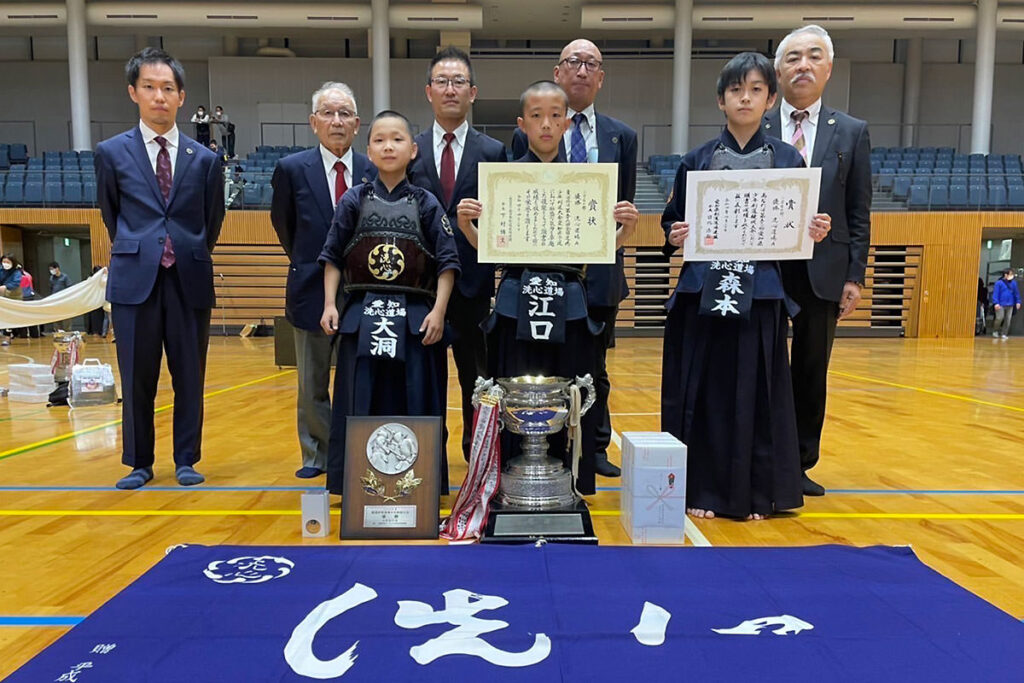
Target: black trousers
pixel 469 348
pixel 814 330
pixel 165 320
pixel 603 387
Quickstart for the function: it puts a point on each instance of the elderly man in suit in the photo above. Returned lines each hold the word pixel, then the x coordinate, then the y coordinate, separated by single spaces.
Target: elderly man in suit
pixel 446 165
pixel 827 288
pixel 161 195
pixel 594 137
pixel 307 188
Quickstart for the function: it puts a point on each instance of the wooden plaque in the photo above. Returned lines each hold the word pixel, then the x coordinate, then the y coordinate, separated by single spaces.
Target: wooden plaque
pixel 391 478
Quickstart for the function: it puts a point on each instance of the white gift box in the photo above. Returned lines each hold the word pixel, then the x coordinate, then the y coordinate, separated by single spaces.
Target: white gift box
pixel 653 487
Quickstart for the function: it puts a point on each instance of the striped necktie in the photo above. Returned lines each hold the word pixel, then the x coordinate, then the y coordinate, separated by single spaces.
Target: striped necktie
pixel 578 146
pixel 798 140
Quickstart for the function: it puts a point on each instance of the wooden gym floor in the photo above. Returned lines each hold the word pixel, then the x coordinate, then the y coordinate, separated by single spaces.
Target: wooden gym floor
pixel 924 445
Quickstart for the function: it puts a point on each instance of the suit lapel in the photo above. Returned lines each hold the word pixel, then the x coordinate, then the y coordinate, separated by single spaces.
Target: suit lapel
pixel 773 124
pixel 186 153
pixel 823 136
pixel 607 141
pixel 317 180
pixel 360 165
pixel 137 150
pixel 426 154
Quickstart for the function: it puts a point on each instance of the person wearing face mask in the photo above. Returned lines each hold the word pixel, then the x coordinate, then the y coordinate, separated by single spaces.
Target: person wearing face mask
pixel 1005 300
pixel 10 285
pixel 202 121
pixel 59 281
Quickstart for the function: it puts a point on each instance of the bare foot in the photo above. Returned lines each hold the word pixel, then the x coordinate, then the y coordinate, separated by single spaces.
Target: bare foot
pixel 756 516
pixel 700 514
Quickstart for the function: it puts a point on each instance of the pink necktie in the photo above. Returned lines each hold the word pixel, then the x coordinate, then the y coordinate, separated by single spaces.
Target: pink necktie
pixel 798 140
pixel 163 179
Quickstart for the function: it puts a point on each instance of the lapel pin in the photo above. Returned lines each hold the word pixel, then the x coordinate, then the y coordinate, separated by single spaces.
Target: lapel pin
pixel 767 126
pixel 188 150
pixel 615 141
pixel 831 122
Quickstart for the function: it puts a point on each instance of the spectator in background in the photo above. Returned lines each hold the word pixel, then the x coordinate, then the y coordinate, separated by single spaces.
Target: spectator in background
pixel 202 121
pixel 219 151
pixel 28 293
pixel 226 131
pixel 58 282
pixel 10 286
pixel 1005 300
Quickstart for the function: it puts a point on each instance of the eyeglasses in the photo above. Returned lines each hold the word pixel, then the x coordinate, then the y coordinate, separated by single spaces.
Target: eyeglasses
pixel 574 63
pixel 328 115
pixel 442 82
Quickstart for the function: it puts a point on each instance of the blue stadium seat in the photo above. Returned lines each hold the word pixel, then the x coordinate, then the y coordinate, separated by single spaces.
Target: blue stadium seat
pixel 89 191
pixel 885 180
pixel 33 192
pixel 34 177
pixel 73 176
pixel 918 197
pixel 958 180
pixel 890 163
pixel 908 164
pixel 909 170
pixel 53 192
pixel 267 194
pixel 251 194
pixel 977 196
pixel 35 163
pixel 926 163
pixel 996 196
pixel 901 187
pixel 18 152
pixel 14 191
pixel 1015 197
pixel 878 150
pixel 876 166
pixel 5 160
pixel 72 192
pixel 938 197
pixel 958 197
pixel 52 176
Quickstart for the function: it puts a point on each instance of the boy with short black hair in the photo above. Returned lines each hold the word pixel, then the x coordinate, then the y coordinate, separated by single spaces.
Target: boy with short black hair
pixel 512 348
pixel 726 388
pixel 392 247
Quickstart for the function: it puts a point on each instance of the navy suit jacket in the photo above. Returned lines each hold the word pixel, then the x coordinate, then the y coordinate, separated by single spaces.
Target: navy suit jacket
pixel 301 212
pixel 616 143
pixel 842 148
pixel 138 218
pixel 477 279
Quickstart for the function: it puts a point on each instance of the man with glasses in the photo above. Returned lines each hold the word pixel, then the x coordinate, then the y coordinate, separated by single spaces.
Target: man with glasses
pixel 449 152
pixel 593 137
pixel 307 186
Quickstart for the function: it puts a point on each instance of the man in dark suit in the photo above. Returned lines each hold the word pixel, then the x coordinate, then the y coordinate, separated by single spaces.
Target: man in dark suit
pixel 446 165
pixel 593 137
pixel 307 187
pixel 827 288
pixel 161 195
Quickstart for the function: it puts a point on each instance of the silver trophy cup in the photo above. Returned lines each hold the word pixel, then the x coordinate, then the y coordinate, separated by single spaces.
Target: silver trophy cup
pixel 535 407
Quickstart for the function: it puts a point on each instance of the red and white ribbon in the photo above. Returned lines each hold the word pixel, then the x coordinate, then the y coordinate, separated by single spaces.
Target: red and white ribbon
pixel 469 514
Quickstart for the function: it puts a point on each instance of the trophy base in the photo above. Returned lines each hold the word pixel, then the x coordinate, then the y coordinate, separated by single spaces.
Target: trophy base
pixel 510 525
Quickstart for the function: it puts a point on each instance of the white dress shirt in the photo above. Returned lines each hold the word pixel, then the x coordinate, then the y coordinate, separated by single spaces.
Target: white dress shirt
pixel 458 145
pixel 589 130
pixel 809 126
pixel 329 161
pixel 153 147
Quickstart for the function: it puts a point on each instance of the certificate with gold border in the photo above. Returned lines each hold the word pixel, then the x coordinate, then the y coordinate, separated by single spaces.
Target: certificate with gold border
pixel 547 213
pixel 751 215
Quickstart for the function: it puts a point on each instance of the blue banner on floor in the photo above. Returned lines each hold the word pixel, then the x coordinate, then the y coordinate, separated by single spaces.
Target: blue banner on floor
pixel 557 613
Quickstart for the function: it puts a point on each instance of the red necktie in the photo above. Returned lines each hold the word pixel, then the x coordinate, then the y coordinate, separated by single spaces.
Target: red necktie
pixel 339 181
pixel 163 179
pixel 448 169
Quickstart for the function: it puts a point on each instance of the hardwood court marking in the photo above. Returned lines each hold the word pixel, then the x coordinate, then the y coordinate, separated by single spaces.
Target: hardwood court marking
pixel 933 392
pixel 967 516
pixel 113 423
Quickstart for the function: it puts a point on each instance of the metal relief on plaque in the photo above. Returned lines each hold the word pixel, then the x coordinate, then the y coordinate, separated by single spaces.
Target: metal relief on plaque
pixel 392 448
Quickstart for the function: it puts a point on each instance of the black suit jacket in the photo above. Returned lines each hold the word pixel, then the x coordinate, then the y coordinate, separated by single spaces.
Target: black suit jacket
pixel 842 149
pixel 138 219
pixel 616 143
pixel 301 212
pixel 477 279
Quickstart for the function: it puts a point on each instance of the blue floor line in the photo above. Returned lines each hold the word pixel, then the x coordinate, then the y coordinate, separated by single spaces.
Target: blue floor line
pixel 40 621
pixel 304 489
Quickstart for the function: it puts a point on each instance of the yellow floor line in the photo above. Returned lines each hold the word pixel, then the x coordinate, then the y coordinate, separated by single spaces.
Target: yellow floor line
pixel 943 394
pixel 113 423
pixel 966 516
